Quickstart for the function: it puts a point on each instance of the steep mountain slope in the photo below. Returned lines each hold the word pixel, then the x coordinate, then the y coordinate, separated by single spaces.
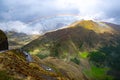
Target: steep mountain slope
pixel 3 41
pixel 14 66
pixel 81 36
pixel 115 26
pixel 92 45
pixel 98 27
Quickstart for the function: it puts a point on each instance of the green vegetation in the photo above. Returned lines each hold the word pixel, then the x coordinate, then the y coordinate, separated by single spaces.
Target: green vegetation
pixel 97 58
pixel 64 55
pixel 42 56
pixel 75 60
pixel 54 49
pixel 112 56
pixel 77 43
pixel 107 56
pixel 83 54
pixel 4 76
pixel 96 73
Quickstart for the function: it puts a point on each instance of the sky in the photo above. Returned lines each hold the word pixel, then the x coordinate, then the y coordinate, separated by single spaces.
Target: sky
pixel 27 10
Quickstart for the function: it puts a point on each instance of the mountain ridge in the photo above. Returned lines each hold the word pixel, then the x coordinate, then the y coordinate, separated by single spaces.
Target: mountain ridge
pixel 76 31
pixel 89 48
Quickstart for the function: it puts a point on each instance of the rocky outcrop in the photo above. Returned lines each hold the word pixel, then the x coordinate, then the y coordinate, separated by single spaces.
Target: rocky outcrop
pixel 3 41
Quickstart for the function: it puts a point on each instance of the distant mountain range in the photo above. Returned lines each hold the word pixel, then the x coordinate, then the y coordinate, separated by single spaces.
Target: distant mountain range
pixel 17 39
pixel 40 25
pixel 52 23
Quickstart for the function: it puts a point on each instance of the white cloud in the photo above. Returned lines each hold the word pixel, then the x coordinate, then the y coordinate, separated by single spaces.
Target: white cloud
pixel 19 27
pixel 39 25
pixel 17 12
pixel 87 9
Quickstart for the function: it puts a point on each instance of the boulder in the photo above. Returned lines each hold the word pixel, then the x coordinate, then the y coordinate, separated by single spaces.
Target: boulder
pixel 3 41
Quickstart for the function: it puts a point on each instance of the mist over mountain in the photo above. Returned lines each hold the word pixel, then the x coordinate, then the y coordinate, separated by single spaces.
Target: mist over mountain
pixel 87 33
pixel 40 25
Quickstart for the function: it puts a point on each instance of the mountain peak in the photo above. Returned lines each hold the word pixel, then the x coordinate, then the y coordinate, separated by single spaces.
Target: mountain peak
pixel 98 27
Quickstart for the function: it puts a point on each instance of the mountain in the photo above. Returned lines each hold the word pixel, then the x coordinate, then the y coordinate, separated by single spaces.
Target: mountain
pixel 95 46
pixel 3 41
pixel 83 35
pixel 15 66
pixel 116 27
pixel 97 27
pixel 46 24
pixel 17 39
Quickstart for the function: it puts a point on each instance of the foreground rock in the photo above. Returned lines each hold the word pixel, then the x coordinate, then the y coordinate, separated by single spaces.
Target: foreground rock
pixel 3 41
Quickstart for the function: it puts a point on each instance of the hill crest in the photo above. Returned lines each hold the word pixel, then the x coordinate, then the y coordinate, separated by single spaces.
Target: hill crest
pixel 98 27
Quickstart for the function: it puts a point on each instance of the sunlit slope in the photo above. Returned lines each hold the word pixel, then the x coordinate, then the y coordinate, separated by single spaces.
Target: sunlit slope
pixel 94 49
pixel 98 27
pixel 81 36
pixel 13 66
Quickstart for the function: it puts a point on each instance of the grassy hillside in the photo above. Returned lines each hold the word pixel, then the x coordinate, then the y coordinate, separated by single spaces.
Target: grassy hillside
pixel 98 27
pixel 72 41
pixel 91 45
pixel 13 66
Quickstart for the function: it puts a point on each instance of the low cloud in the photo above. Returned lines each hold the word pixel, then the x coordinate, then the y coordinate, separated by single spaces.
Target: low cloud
pixel 38 26
pixel 19 27
pixel 15 14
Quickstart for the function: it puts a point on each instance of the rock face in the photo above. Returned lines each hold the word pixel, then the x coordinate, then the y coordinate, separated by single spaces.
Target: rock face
pixel 3 41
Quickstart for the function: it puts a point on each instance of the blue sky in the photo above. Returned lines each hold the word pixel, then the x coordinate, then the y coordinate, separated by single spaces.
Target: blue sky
pixel 14 13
